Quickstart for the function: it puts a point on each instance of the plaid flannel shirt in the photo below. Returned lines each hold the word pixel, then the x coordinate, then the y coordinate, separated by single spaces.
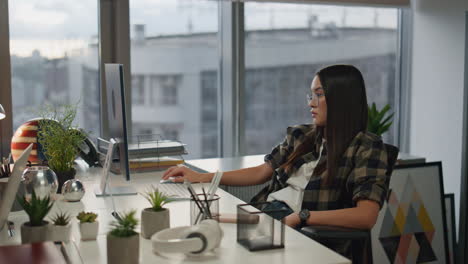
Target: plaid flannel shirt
pixel 360 174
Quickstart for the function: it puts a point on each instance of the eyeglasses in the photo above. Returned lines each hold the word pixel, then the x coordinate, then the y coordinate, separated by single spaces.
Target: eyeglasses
pixel 314 98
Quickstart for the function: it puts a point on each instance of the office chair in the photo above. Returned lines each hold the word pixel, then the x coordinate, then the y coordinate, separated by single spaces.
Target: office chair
pixel 361 244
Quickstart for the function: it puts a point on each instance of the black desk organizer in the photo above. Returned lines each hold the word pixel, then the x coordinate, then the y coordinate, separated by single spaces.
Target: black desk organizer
pixel 257 230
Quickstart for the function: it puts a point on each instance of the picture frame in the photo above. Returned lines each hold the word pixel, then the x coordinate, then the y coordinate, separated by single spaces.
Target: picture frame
pixel 451 228
pixel 411 225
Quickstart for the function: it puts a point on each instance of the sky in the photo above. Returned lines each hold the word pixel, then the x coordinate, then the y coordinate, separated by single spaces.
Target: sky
pixel 55 27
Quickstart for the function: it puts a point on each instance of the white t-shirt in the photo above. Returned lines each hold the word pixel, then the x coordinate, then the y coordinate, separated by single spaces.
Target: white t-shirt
pixel 293 194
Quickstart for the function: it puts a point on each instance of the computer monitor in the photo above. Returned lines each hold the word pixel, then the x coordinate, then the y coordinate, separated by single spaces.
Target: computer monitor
pixel 115 89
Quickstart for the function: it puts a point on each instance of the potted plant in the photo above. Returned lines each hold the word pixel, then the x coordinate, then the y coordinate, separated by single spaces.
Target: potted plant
pixel 60 141
pixel 123 242
pixel 60 228
pixel 89 226
pixel 377 123
pixel 155 218
pixel 37 208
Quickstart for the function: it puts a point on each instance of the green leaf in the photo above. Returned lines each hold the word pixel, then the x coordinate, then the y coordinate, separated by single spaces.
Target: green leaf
pixel 156 198
pixel 378 123
pixel 58 136
pixel 86 217
pixel 61 219
pixel 125 225
pixel 386 120
pixel 385 128
pixel 381 114
pixel 36 208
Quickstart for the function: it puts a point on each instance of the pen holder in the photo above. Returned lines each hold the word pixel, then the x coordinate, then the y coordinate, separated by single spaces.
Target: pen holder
pixel 204 208
pixel 257 230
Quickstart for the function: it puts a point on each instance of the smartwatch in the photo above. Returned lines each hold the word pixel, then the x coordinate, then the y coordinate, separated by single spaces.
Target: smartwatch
pixel 304 215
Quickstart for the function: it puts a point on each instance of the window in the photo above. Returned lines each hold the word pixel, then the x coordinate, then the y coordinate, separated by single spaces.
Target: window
pixel 138 89
pixel 169 90
pixel 174 43
pixel 171 132
pixel 163 89
pixel 145 131
pixel 285 44
pixel 209 117
pixel 54 59
pixel 175 61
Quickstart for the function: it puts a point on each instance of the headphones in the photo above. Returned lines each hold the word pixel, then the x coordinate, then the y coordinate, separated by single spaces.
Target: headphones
pixel 195 239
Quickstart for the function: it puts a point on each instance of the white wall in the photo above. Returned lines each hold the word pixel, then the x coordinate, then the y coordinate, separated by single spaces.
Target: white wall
pixel 437 85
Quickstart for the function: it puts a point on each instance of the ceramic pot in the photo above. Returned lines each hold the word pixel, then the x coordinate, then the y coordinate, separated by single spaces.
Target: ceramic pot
pixel 59 233
pixel 31 234
pixel 123 249
pixel 154 221
pixel 89 231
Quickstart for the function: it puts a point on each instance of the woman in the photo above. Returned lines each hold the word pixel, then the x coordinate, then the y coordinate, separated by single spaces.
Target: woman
pixel 328 173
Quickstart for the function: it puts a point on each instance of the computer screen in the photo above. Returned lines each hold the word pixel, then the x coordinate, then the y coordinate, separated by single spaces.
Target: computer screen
pixel 115 88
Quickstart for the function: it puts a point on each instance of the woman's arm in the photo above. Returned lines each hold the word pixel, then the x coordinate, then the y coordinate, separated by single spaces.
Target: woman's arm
pixel 248 176
pixel 363 216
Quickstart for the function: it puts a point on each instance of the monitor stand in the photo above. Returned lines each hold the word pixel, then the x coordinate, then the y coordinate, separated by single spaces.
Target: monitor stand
pixel 104 188
pixel 117 191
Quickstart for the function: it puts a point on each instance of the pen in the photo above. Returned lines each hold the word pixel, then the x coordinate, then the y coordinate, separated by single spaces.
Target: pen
pixel 207 204
pixel 215 183
pixel 11 228
pixel 195 199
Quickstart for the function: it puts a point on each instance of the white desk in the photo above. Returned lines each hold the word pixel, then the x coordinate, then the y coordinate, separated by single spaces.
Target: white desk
pixel 298 248
pixel 244 193
pixel 227 164
pixel 247 192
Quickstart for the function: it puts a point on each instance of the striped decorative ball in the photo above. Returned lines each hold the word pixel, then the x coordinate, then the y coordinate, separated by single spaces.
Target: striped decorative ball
pixel 25 135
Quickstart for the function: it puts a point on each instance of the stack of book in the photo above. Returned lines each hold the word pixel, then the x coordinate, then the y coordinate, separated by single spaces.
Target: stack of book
pixel 152 164
pixel 147 156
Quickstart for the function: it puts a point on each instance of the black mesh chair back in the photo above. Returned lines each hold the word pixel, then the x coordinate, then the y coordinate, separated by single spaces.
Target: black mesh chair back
pixel 361 243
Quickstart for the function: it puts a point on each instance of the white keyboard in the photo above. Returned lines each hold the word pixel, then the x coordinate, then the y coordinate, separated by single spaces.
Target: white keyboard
pixel 176 191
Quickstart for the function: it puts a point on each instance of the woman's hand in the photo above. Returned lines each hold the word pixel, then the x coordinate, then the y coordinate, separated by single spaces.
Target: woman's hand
pixel 292 220
pixel 180 173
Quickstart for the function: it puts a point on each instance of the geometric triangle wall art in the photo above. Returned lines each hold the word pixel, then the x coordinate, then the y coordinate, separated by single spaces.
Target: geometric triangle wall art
pixel 407 231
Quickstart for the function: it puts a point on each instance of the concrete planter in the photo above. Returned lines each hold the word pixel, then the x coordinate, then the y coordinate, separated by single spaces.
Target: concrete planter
pixel 59 233
pixel 89 231
pixel 123 249
pixel 153 221
pixel 31 234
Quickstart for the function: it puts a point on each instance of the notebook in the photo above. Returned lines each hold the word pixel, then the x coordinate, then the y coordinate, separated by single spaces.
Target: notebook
pixel 43 252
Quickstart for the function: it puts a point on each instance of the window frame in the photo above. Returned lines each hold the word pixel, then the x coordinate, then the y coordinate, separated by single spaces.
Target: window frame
pixel 6 125
pixel 114 47
pixel 402 100
pixel 402 103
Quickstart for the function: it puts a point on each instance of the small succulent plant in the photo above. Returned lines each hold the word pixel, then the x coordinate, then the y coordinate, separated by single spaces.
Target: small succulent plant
pixel 125 225
pixel 37 208
pixel 156 198
pixel 86 217
pixel 61 219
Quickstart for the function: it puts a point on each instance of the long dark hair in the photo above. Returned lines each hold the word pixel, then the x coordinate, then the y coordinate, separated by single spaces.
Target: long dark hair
pixel 345 94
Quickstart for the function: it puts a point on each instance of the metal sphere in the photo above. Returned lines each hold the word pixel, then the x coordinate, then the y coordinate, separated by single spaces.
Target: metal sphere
pixel 41 179
pixel 73 190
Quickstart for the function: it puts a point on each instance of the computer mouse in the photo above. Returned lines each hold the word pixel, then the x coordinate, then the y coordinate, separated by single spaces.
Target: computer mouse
pixel 170 180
